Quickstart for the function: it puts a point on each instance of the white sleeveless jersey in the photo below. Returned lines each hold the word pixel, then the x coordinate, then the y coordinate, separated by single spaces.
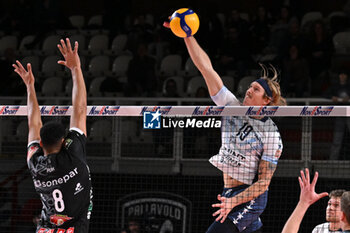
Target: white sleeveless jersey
pixel 245 141
pixel 324 228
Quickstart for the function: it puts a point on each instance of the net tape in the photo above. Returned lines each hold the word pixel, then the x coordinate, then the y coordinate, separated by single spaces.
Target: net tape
pixel 108 110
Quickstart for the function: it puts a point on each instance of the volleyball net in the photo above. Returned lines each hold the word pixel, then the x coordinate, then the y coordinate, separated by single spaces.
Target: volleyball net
pixel 150 164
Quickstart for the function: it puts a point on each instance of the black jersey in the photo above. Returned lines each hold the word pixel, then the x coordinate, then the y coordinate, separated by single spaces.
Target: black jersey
pixel 63 182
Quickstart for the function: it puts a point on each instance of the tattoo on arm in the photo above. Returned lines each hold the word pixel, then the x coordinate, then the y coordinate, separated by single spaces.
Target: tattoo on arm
pixel 266 170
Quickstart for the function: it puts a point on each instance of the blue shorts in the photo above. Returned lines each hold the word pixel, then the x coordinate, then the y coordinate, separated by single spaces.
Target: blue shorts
pixel 246 216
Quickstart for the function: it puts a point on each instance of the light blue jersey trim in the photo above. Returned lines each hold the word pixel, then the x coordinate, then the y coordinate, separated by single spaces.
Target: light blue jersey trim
pixel 225 97
pixel 269 159
pixel 219 95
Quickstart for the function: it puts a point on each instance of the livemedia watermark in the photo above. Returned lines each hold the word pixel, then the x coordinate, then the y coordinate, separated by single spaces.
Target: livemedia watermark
pixel 154 120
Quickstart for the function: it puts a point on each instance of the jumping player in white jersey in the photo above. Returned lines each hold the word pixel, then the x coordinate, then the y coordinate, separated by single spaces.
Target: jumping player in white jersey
pixel 57 163
pixel 251 147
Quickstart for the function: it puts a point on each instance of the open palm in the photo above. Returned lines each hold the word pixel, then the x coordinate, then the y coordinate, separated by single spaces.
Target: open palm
pixel 225 206
pixel 26 75
pixel 307 189
pixel 71 57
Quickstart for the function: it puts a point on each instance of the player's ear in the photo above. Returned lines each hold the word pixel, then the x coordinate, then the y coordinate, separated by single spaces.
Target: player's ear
pixel 41 143
pixel 267 100
pixel 342 217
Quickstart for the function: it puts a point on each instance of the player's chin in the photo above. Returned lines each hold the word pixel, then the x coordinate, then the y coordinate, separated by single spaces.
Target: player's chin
pixel 246 102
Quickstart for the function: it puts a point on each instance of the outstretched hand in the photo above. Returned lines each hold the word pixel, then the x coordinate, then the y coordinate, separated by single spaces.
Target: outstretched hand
pixel 225 206
pixel 71 56
pixel 307 191
pixel 166 24
pixel 26 75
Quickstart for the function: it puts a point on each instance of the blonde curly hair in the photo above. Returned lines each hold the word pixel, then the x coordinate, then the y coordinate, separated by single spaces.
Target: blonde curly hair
pixel 273 82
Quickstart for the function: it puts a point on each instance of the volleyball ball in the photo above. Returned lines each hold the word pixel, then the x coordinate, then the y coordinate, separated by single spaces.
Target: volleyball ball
pixel 184 22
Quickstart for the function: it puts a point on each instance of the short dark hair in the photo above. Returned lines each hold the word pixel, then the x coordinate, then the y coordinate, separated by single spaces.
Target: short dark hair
pixel 51 133
pixel 134 219
pixel 343 71
pixel 337 193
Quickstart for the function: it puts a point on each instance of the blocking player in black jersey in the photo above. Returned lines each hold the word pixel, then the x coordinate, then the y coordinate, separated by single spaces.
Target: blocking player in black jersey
pixel 57 162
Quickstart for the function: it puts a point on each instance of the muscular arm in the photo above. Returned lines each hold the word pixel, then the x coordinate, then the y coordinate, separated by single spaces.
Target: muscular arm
pixel 308 196
pixel 34 117
pixel 294 221
pixel 78 117
pixel 266 170
pixel 203 63
pixel 72 61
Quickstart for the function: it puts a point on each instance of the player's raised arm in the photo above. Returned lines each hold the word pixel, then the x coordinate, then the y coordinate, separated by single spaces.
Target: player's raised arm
pixel 308 196
pixel 72 61
pixel 34 117
pixel 203 63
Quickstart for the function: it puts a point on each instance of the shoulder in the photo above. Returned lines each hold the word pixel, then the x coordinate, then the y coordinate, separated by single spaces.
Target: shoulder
pixel 75 133
pixel 225 97
pixel 321 228
pixel 34 145
pixel 267 126
pixel 34 150
pixel 75 142
pixel 270 127
pixel 272 138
